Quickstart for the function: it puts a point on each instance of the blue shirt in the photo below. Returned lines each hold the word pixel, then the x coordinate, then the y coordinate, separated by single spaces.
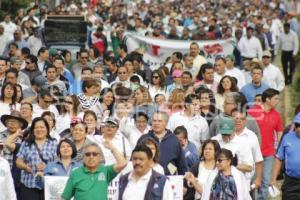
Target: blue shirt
pixel 250 91
pixel 289 153
pixel 191 154
pixel 29 154
pixel 56 168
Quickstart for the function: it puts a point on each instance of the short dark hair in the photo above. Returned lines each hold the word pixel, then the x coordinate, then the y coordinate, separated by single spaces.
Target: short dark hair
pixel 269 93
pixel 4 59
pixel 33 59
pixel 181 130
pixel 12 70
pixel 187 73
pixel 203 69
pixel 140 114
pixel 50 67
pixel 59 58
pixel 74 151
pixel 143 148
pixel 123 47
pixel 42 50
pixel 189 98
pixel 86 69
pixel 287 25
pixel 178 55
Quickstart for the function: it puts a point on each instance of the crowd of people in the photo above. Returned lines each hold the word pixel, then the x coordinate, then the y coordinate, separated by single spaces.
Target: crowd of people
pixel 104 114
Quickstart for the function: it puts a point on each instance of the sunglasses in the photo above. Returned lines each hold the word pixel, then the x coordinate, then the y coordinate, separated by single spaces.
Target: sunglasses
pixel 266 57
pixel 84 57
pixel 122 72
pixel 89 154
pixel 155 77
pixel 108 125
pixel 221 160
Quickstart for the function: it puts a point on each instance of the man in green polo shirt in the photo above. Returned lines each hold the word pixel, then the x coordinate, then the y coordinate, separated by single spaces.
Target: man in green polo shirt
pixel 90 181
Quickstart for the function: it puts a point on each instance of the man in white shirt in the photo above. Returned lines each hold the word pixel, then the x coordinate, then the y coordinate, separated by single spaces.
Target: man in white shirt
pixel 188 62
pixel 249 138
pixel 53 80
pixel 44 103
pixel 231 70
pixel 272 75
pixel 289 44
pixel 198 59
pixel 35 42
pixel 250 46
pixel 9 27
pixel 3 40
pixel 110 132
pixel 143 182
pixel 220 68
pixel 195 124
pixel 7 189
pixel 122 77
pixel 228 140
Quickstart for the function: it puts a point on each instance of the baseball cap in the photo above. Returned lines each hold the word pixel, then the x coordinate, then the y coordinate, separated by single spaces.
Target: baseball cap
pixel 267 54
pixel 226 126
pixel 112 120
pixel 231 57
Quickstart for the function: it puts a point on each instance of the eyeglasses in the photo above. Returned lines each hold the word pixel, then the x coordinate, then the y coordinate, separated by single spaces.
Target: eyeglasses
pixel 84 57
pixel 155 77
pixel 47 102
pixel 68 102
pixel 267 57
pixel 122 72
pixel 89 154
pixel 221 160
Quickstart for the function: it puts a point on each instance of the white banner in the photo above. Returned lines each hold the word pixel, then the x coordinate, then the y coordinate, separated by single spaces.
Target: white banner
pixel 157 50
pixel 54 187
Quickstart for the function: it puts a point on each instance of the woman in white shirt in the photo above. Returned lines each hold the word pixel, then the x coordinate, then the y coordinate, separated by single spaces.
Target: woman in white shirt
pixel 69 108
pixel 157 84
pixel 196 179
pixel 227 84
pixel 8 101
pixel 226 182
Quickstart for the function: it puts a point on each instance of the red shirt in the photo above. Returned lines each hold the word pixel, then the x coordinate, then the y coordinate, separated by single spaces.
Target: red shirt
pixel 269 123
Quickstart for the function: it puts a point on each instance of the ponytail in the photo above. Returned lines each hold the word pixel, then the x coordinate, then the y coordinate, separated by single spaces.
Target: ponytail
pixel 234 161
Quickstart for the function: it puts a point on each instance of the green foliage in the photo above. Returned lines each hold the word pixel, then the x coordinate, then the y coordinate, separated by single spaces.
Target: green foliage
pixel 295 88
pixel 12 6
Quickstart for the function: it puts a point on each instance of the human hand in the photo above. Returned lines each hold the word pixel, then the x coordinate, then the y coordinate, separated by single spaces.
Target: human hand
pixel 28 169
pixel 190 178
pixel 40 167
pixel 108 144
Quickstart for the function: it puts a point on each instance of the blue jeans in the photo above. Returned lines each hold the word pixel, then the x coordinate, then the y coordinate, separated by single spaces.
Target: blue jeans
pixel 266 178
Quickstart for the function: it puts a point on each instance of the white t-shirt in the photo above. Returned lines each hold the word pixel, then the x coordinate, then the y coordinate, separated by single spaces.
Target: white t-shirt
pixel 197 127
pixel 202 177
